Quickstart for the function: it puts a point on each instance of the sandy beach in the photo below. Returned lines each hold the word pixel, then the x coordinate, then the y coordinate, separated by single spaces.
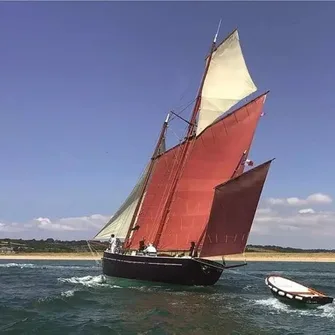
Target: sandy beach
pixel 282 257
pixel 249 257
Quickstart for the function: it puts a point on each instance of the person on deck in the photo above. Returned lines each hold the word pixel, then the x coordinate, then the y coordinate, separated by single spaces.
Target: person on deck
pixel 112 244
pixel 150 250
pixel 193 253
pixel 118 246
pixel 141 246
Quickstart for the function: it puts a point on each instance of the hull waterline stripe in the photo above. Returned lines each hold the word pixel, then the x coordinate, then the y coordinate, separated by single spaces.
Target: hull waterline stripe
pixel 137 262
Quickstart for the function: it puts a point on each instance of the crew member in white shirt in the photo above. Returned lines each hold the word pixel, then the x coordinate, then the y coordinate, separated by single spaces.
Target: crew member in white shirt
pixel 112 243
pixel 150 250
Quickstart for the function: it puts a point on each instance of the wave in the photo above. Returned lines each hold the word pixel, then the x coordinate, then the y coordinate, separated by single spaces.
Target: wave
pixel 275 306
pixel 67 294
pixel 102 281
pixel 89 281
pixel 17 265
pixel 59 300
pixel 10 325
pixel 47 266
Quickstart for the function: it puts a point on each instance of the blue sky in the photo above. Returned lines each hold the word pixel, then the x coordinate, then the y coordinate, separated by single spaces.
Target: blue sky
pixel 85 87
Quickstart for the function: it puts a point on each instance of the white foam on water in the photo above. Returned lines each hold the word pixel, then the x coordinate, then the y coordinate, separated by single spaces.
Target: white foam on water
pixel 51 298
pixel 89 281
pixel 328 311
pixel 17 265
pixel 275 306
pixel 249 288
pixel 71 267
pixel 45 266
pixel 141 288
pixel 68 293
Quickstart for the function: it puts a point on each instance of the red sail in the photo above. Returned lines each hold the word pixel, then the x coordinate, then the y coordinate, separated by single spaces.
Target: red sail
pixel 233 211
pixel 156 195
pixel 212 160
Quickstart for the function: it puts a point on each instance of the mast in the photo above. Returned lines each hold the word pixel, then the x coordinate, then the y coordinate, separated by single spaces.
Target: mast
pixel 188 139
pixel 151 165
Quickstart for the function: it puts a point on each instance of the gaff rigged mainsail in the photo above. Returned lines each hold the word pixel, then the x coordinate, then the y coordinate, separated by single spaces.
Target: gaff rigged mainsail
pixel 214 156
pixel 233 211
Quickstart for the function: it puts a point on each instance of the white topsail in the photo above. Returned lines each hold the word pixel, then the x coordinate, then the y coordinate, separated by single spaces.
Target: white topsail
pixel 227 82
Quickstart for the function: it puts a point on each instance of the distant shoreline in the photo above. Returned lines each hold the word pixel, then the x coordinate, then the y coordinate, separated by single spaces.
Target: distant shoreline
pixel 249 257
pixel 82 256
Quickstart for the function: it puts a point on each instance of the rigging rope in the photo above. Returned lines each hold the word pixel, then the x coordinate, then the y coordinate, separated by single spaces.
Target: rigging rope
pixel 188 105
pixel 92 252
pixel 180 140
pixel 244 274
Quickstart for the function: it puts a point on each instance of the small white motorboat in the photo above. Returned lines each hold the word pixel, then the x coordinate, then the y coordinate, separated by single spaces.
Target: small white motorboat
pixel 289 291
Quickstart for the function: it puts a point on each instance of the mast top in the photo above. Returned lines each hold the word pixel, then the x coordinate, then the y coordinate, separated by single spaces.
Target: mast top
pixel 217 32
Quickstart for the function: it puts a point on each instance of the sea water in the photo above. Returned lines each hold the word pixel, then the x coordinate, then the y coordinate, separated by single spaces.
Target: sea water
pixel 73 297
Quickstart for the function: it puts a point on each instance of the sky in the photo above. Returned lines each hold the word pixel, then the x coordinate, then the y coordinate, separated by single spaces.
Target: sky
pixel 85 87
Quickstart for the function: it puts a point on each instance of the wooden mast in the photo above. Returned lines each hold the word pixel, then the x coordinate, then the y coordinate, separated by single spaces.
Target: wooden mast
pixel 145 184
pixel 188 139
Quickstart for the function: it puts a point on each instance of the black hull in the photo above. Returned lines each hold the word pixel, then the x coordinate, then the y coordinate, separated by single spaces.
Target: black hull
pixel 171 270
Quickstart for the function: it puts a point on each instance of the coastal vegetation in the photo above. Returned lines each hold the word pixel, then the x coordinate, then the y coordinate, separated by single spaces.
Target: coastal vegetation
pixel 47 246
pixel 51 245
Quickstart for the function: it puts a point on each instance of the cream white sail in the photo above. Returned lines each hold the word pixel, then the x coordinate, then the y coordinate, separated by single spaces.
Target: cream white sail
pixel 227 82
pixel 121 220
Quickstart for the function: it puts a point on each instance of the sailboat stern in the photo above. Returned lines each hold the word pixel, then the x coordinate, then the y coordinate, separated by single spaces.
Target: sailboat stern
pixel 171 270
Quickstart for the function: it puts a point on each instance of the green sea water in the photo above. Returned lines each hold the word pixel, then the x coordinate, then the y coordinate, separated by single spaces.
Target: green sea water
pixel 73 297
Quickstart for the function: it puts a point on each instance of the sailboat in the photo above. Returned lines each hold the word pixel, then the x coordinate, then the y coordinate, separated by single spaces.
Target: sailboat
pixel 195 200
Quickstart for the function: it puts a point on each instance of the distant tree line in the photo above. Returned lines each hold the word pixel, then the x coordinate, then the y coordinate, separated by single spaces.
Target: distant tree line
pixel 275 248
pixel 51 245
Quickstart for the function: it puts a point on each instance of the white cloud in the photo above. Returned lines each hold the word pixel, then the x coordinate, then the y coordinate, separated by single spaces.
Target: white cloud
pixel 296 201
pixel 13 227
pixel 261 211
pixel 64 228
pixel 319 198
pixel 81 223
pixel 314 220
pixel 276 201
pixel 307 211
pixel 284 225
pixel 313 199
pixel 279 221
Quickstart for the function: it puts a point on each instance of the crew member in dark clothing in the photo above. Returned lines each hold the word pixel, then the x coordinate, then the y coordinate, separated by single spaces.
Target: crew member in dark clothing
pixel 142 246
pixel 193 253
